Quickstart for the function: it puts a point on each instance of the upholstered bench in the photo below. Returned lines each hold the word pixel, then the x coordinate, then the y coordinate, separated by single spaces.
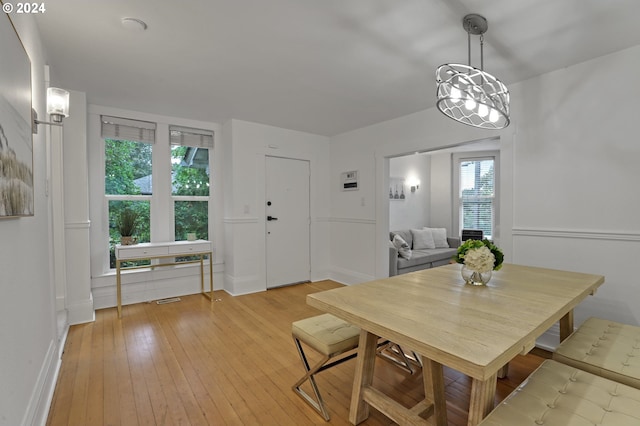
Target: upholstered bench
pixel 606 348
pixel 334 339
pixel 560 395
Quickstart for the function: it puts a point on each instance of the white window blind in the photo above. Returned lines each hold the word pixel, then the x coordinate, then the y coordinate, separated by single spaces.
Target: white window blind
pixel 185 136
pixel 477 195
pixel 126 129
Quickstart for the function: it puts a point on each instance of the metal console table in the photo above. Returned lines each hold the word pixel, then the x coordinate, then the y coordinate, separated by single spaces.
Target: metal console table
pixel 172 249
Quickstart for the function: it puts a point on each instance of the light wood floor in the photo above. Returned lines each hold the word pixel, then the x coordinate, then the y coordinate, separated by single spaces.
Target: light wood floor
pixel 188 363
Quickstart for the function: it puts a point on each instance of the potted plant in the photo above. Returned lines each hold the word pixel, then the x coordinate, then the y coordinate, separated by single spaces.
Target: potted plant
pixel 127 226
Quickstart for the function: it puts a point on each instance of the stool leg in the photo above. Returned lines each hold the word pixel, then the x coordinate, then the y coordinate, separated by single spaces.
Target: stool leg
pixel 399 357
pixel 318 403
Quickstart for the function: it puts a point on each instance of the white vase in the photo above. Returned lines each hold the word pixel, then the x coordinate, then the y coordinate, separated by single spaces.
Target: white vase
pixel 472 277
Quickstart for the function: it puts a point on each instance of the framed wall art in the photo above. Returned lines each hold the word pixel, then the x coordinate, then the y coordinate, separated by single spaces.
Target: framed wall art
pixel 16 140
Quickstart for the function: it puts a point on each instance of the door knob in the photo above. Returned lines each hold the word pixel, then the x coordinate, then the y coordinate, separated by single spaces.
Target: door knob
pixel 270 218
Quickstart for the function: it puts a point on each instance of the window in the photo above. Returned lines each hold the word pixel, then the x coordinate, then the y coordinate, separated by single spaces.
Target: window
pixel 128 175
pixel 477 193
pixel 190 182
pixel 161 171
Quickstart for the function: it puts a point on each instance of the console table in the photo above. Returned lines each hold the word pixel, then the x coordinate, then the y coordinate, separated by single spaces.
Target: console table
pixel 149 251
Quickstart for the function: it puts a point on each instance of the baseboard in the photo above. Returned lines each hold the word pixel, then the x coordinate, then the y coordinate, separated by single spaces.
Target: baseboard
pixel 237 286
pixel 42 395
pixel 550 339
pixel 349 277
pixel 81 312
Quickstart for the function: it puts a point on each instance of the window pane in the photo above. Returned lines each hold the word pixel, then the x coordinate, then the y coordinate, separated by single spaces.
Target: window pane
pixel 192 217
pixel 127 167
pixel 142 230
pixel 189 170
pixel 477 194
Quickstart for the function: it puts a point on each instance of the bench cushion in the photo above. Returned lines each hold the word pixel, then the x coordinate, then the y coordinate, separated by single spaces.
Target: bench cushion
pixel 606 348
pixel 327 334
pixel 560 395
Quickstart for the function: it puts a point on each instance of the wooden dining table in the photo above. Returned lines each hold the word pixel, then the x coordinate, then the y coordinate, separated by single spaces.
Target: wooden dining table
pixel 476 330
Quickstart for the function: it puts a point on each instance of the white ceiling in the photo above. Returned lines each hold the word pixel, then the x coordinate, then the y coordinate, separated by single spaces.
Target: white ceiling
pixel 321 66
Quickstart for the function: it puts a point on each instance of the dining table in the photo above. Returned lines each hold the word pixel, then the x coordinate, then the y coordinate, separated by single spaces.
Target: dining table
pixel 475 330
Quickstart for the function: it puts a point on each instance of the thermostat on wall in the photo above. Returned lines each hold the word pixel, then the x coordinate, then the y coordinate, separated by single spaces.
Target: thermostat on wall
pixel 350 181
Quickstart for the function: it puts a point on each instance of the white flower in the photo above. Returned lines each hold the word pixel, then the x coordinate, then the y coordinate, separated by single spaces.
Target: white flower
pixel 480 259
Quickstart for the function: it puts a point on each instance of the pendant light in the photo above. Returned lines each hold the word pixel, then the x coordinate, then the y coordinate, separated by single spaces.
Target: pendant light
pixel 471 95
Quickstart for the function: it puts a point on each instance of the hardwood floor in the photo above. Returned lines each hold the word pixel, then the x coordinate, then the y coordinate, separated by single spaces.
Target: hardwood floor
pixel 186 363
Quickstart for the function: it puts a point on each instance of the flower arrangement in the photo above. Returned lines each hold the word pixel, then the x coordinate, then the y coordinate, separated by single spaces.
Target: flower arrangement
pixel 480 255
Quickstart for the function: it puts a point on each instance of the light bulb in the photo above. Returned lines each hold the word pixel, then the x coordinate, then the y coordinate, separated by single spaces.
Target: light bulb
pixel 470 104
pixel 493 116
pixel 483 110
pixel 455 93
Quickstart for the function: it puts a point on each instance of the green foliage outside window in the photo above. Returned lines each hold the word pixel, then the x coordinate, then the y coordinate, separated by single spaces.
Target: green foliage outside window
pixel 477 202
pixel 190 177
pixel 128 171
pixel 143 229
pixel 127 163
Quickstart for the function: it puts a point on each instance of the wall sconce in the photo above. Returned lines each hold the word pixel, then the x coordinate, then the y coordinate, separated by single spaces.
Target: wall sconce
pixel 413 184
pixel 57 108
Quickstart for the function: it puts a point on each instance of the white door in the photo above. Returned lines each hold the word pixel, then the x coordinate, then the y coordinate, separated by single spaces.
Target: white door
pixel 288 221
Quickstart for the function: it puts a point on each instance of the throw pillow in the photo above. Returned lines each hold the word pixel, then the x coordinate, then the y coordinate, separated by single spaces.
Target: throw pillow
pixel 422 239
pixel 439 237
pixel 403 248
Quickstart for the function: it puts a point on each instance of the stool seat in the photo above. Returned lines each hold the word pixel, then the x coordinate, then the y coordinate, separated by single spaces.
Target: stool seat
pixel 336 340
pixel 561 395
pixel 605 348
pixel 326 334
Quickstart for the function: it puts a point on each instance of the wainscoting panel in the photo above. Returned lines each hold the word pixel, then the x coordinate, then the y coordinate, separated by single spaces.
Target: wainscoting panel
pixel 352 250
pixel 608 253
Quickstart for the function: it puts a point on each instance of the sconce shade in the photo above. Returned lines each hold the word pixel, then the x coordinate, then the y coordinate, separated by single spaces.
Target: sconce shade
pixel 57 104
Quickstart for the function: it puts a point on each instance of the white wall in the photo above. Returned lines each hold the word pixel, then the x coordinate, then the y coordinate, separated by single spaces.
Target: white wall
pixel 29 355
pixel 568 179
pixel 413 210
pixel 246 146
pixel 441 213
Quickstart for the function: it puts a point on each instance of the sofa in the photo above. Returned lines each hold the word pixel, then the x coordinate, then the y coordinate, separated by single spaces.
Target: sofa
pixel 425 248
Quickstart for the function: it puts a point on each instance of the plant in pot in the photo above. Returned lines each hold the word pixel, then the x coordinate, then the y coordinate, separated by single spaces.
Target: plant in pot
pixel 127 226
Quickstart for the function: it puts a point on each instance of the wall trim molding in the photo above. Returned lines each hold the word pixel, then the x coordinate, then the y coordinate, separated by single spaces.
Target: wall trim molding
pixel 352 220
pixel 241 285
pixel 349 277
pixel 42 394
pixel 576 234
pixel 85 224
pixel 81 312
pixel 240 220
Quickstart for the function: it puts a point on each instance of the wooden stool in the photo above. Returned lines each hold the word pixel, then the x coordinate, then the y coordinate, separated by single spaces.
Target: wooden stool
pixel 606 348
pixel 332 338
pixel 560 395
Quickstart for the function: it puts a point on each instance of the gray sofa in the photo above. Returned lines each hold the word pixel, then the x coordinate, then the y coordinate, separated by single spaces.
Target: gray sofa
pixel 420 258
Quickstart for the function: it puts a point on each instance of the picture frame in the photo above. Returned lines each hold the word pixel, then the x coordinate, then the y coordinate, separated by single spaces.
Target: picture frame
pixel 16 139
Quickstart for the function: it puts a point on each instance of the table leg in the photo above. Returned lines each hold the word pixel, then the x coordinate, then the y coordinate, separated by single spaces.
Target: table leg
pixel 433 380
pixel 483 393
pixel 211 275
pixel 566 325
pixel 118 289
pixel 363 377
pixel 202 273
pixel 504 371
